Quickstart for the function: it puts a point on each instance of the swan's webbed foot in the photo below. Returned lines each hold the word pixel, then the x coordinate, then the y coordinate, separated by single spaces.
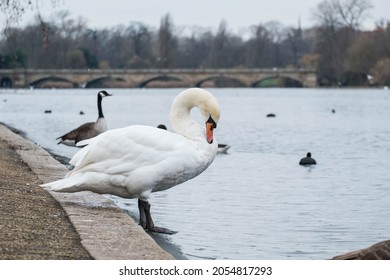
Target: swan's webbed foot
pixel 146 221
pixel 161 230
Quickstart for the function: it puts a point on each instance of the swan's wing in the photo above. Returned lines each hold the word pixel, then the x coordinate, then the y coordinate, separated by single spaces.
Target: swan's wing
pixel 120 151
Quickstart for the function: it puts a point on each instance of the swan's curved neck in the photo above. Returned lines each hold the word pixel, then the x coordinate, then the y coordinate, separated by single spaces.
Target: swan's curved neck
pixel 180 116
pixel 99 104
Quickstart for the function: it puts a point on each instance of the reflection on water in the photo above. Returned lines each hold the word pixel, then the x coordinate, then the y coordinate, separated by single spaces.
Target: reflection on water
pixel 256 202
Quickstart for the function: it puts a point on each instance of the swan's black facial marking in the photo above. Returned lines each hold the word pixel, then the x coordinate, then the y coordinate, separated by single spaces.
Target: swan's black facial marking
pixel 210 120
pixel 210 126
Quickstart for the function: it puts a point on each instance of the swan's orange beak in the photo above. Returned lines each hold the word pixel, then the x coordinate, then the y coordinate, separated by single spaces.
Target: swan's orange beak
pixel 210 125
pixel 209 132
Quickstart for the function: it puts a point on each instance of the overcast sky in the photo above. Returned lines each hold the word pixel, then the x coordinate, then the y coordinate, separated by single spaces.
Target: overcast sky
pixel 238 14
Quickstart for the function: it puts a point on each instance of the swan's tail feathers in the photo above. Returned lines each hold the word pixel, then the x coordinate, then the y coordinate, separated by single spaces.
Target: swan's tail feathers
pixel 84 143
pixel 79 156
pixel 53 186
pixel 60 186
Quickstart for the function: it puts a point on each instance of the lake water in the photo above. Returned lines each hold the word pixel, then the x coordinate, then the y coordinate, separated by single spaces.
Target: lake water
pixel 256 202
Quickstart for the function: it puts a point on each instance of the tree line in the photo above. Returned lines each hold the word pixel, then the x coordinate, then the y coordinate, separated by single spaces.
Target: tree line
pixel 336 47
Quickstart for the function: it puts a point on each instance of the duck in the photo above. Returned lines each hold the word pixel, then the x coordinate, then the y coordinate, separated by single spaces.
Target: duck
pixel 223 148
pixel 378 251
pixel 162 126
pixel 87 130
pixel 135 161
pixel 308 160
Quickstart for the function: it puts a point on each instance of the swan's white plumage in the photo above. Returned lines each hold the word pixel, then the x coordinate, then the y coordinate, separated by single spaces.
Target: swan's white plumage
pixel 134 161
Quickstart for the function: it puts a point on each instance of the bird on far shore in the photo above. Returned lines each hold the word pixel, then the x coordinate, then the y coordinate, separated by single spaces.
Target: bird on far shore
pixel 87 130
pixel 308 160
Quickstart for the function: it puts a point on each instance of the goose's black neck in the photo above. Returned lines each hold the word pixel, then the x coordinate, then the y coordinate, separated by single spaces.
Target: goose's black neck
pixel 99 103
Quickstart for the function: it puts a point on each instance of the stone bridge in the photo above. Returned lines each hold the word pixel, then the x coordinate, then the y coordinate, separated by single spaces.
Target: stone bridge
pixel 125 78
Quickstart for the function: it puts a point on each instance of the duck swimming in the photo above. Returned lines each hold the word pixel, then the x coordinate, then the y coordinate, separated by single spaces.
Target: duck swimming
pixel 308 160
pixel 137 160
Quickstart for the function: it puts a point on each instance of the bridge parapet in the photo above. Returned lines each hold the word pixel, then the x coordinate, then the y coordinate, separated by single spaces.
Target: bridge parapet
pixel 132 78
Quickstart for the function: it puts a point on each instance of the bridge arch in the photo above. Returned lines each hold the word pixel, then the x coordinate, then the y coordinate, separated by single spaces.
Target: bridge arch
pixel 163 78
pixel 221 81
pixel 52 81
pixel 277 81
pixel 132 78
pixel 106 81
pixel 5 82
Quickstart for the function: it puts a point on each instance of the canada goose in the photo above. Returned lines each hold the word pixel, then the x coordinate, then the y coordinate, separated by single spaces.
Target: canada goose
pixel 87 130
pixel 378 251
pixel 134 161
pixel 308 160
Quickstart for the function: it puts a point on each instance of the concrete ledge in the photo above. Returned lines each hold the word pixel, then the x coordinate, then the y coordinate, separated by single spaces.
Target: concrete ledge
pixel 106 232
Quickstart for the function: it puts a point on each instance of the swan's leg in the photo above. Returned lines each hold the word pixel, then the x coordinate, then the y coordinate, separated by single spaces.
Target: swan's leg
pixel 142 217
pixel 146 220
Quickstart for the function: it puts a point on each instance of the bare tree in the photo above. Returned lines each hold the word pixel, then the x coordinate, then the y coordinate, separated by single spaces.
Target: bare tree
pixel 353 12
pixel 343 13
pixel 217 54
pixel 338 23
pixel 140 37
pixel 193 51
pixel 166 43
pixel 271 46
pixel 13 10
pixel 117 47
pixel 65 42
pixel 295 43
pixel 257 54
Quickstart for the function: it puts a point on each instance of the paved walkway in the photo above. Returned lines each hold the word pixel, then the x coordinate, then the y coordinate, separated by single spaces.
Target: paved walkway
pixel 36 224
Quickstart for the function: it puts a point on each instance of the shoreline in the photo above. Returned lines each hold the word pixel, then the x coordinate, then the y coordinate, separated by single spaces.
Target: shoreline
pixel 105 231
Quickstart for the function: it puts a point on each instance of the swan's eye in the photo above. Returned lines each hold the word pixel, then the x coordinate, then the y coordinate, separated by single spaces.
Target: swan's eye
pixel 210 120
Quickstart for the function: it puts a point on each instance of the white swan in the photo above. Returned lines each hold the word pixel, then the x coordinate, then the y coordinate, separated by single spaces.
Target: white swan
pixel 134 161
pixel 87 130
